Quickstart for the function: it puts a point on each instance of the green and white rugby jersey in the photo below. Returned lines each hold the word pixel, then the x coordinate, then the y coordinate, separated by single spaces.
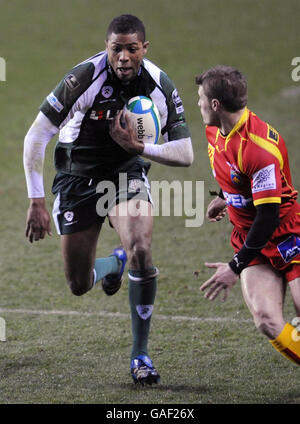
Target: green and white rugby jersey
pixel 85 101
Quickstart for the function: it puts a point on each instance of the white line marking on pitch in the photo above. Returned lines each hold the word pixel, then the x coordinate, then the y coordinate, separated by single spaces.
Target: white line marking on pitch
pixel 120 315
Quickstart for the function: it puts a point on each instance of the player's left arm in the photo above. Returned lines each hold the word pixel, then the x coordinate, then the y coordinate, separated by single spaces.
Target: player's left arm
pixel 263 168
pixel 264 171
pixel 177 149
pixel 174 153
pixel 265 222
pixel 226 275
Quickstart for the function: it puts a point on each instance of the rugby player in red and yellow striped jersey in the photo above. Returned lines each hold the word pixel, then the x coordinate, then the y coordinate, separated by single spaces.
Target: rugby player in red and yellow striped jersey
pixel 249 160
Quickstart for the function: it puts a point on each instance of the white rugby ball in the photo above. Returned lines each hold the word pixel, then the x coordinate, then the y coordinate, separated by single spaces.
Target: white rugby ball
pixel 144 116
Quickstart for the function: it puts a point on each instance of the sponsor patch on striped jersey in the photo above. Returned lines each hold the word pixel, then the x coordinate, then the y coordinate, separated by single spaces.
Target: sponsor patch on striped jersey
pixel 273 135
pixel 264 179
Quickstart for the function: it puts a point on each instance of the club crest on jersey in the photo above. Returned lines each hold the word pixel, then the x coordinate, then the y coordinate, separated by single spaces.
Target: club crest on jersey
pixel 72 82
pixel 289 248
pixel 235 174
pixel 107 91
pixel 235 177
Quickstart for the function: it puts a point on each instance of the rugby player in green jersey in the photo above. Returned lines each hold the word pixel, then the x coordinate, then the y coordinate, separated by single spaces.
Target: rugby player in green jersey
pixel 93 149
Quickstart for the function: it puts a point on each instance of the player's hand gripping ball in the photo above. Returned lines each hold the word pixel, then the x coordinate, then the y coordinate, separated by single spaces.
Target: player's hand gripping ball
pixel 144 117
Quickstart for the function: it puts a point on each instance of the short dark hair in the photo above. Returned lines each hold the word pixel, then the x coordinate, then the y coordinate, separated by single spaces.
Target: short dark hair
pixel 226 84
pixel 127 24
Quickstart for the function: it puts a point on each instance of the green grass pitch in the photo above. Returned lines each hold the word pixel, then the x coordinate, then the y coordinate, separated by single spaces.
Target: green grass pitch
pixel 65 349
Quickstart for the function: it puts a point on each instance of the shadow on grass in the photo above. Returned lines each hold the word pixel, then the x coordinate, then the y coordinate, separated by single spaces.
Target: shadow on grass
pixel 171 388
pixel 292 397
pixel 8 368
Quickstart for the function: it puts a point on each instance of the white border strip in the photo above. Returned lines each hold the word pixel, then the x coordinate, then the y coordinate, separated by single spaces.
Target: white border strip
pixel 120 315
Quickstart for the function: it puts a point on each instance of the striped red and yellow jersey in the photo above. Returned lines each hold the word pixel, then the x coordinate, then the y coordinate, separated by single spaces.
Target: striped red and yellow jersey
pixel 251 166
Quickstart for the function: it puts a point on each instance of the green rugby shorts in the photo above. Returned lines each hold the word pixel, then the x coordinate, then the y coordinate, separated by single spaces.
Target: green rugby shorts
pixel 82 201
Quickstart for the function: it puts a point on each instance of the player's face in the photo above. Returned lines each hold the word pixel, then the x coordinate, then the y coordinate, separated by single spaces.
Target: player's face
pixel 125 54
pixel 209 116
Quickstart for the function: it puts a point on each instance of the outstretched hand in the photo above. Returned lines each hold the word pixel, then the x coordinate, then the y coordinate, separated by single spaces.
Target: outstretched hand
pixel 216 210
pixel 223 279
pixel 38 221
pixel 125 137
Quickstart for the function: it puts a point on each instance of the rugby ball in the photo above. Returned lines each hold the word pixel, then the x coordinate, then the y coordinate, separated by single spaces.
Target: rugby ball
pixel 144 117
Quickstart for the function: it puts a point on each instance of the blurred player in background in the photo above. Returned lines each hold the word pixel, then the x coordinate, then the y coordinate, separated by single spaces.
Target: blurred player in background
pixel 94 147
pixel 250 163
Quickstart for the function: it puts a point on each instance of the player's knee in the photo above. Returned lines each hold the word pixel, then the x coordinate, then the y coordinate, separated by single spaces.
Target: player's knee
pixel 78 287
pixel 267 325
pixel 139 255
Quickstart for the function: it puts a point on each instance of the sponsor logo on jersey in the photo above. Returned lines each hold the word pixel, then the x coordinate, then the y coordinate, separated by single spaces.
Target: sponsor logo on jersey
pixel 71 81
pixel 177 102
pixel 273 134
pixel 144 311
pixel 54 102
pixel 289 248
pixel 237 200
pixel 264 179
pixel 107 91
pixel 107 100
pixel 98 115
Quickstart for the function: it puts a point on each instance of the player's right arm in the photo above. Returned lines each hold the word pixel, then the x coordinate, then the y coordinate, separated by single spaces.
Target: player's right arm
pixel 69 96
pixel 36 140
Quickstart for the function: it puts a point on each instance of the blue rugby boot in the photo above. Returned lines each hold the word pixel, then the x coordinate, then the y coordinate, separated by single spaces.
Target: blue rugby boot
pixel 112 282
pixel 143 371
